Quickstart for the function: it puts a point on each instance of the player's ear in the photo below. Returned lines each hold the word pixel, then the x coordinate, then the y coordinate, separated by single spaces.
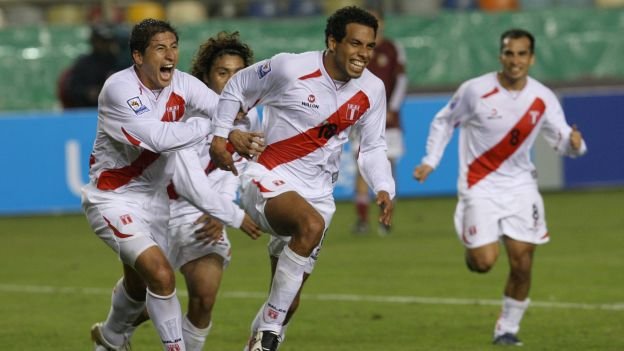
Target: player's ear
pixel 331 44
pixel 137 57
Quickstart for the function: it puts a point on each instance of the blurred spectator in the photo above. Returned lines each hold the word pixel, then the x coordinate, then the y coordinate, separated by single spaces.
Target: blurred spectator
pixel 80 84
pixel 388 63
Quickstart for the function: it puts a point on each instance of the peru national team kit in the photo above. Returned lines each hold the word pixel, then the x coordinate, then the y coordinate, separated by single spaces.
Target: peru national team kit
pixel 307 117
pixel 496 176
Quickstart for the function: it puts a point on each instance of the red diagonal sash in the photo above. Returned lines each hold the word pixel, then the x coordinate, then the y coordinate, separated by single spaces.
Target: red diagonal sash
pixel 314 138
pixel 489 161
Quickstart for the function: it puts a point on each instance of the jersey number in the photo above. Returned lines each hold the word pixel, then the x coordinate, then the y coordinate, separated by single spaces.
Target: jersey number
pixel 515 137
pixel 327 130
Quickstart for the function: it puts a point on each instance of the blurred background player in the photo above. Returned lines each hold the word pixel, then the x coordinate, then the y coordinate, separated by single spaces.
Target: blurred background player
pixel 81 83
pixel 500 115
pixel 388 63
pixel 311 100
pixel 202 257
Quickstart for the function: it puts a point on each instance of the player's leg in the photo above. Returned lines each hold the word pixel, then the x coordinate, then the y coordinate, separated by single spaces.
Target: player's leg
pixel 362 201
pixel 524 229
pixel 476 225
pixel 203 279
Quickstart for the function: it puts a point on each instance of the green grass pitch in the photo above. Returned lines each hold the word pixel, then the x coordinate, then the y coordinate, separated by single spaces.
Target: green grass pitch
pixel 408 291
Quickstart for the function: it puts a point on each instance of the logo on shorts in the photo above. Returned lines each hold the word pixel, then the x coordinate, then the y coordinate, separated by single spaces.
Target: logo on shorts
pixel 278 182
pixel 125 219
pixel 472 230
pixel 137 105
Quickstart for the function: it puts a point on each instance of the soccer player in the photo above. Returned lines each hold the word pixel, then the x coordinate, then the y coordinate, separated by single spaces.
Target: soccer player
pixel 500 115
pixel 202 262
pixel 138 113
pixel 387 63
pixel 311 100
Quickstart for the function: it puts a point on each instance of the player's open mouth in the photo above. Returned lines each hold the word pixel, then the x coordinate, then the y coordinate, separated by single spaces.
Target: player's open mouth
pixel 166 71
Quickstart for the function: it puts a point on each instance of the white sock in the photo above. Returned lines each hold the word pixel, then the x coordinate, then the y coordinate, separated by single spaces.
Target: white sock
pixel 510 316
pixel 256 324
pixel 124 310
pixel 286 283
pixel 194 338
pixel 166 316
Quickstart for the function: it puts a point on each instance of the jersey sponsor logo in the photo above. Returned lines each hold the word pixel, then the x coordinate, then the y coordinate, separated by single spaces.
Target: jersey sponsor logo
pixel 311 98
pixel 137 105
pixel 493 158
pixel 494 114
pixel 310 105
pixel 264 69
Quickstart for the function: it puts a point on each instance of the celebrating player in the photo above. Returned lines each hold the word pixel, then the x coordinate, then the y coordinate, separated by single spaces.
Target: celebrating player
pixel 311 101
pixel 500 115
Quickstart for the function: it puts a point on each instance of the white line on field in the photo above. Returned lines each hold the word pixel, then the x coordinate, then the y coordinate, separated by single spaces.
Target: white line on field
pixel 37 289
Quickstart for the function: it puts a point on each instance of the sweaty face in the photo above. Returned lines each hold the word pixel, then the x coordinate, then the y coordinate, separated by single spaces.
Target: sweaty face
pixel 155 67
pixel 349 57
pixel 516 58
pixel 223 68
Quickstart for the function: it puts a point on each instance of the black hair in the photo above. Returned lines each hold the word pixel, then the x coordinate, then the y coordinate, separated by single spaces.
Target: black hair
pixel 517 34
pixel 337 22
pixel 143 32
pixel 223 44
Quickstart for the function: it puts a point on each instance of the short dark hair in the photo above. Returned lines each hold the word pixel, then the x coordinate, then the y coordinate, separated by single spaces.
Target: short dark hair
pixel 517 34
pixel 337 22
pixel 143 32
pixel 223 43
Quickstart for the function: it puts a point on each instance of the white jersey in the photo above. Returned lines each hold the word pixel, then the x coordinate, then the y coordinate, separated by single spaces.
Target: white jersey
pixel 223 184
pixel 306 120
pixel 498 129
pixel 136 125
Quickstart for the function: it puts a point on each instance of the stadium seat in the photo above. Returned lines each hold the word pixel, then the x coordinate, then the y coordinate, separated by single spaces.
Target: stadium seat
pixel 66 14
pixel 498 5
pixel 459 4
pixel 186 11
pixel 330 6
pixel 423 7
pixel 139 11
pixel 24 15
pixel 610 3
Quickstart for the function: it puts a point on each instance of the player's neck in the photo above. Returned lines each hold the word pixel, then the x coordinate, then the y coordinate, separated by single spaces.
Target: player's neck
pixel 511 84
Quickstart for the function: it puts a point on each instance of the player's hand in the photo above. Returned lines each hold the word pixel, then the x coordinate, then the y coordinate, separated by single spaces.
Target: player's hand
pixel 250 227
pixel 576 139
pixel 247 144
pixel 210 230
pixel 386 207
pixel 221 157
pixel 421 172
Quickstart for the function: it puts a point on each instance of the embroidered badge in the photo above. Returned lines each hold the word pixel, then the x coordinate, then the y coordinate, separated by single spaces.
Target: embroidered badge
pixel 264 69
pixel 137 106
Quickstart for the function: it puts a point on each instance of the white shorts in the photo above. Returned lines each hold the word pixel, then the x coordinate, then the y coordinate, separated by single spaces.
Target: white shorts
pixel 182 247
pixel 520 216
pixel 259 184
pixel 125 223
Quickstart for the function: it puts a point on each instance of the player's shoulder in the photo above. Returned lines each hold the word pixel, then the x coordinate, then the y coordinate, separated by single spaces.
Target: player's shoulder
pixel 370 82
pixel 480 85
pixel 295 65
pixel 539 89
pixel 122 84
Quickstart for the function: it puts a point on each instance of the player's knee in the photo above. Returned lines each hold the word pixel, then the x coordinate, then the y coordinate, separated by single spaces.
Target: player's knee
pixel 311 231
pixel 480 264
pixel 161 280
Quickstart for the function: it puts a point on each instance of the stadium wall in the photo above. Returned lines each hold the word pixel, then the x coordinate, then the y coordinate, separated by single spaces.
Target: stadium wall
pixel 45 154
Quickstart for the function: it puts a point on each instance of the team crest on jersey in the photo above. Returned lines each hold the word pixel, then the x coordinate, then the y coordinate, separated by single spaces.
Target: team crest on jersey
pixel 264 69
pixel 137 105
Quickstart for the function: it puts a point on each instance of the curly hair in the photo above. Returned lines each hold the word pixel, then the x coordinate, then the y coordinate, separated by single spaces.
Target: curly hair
pixel 337 23
pixel 223 44
pixel 143 32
